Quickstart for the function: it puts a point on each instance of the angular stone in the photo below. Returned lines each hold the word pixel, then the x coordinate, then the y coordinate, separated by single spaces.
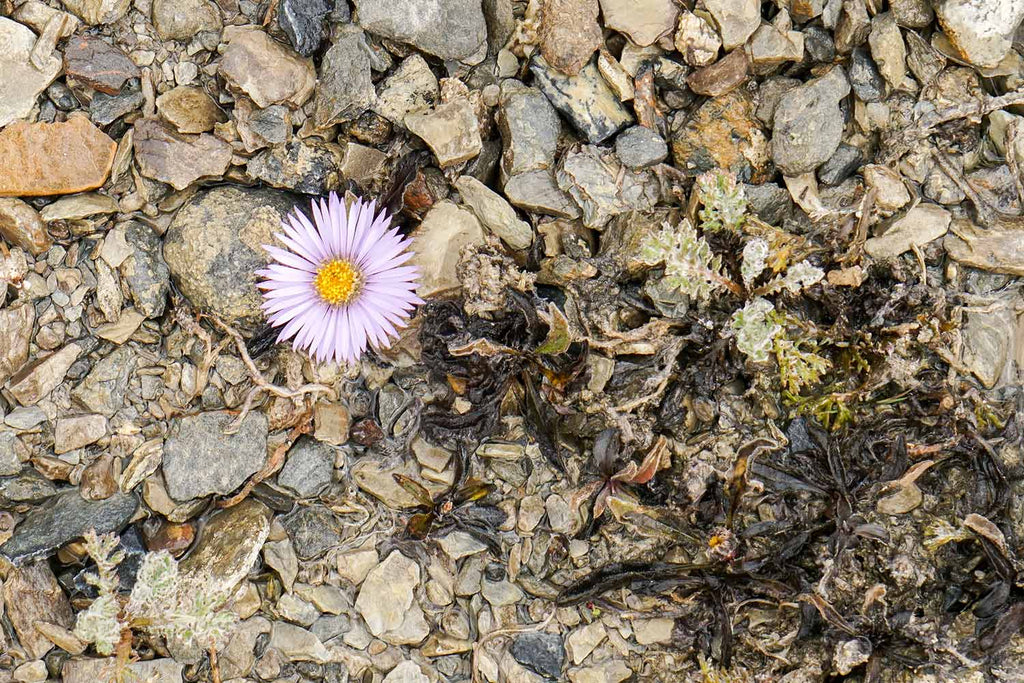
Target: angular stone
pixel 103 389
pixel 33 382
pixel 345 90
pixel 98 64
pixel 981 31
pixel 529 128
pixel 569 34
pixel 723 133
pixel 540 652
pixel 495 213
pixel 725 75
pixel 387 593
pixel 921 225
pixel 228 547
pixel 148 277
pixel 297 644
pixel 997 249
pixel 165 155
pixel 736 20
pixel 912 13
pixel 94 12
pixel 309 167
pixel 819 44
pixel 78 206
pixel 54 158
pixel 259 128
pixel 853 26
pixel 406 672
pixel 865 78
pixel 190 110
pixel 890 192
pixel 21 226
pixel 450 130
pixel 437 244
pixel 213 248
pixel 601 189
pixel 696 39
pixel 195 441
pixel 105 109
pixel 62 519
pixel 264 69
pixel 313 529
pixel 640 147
pixel 644 21
pixel 183 19
pixel 888 49
pixel 769 47
pixel 303 22
pixel 585 99
pixel 809 124
pixel 31 594
pixel 308 469
pixel 78 432
pixel 843 163
pixel 15 332
pixel 412 88
pixel 21 80
pixel 538 192
pixel 449 29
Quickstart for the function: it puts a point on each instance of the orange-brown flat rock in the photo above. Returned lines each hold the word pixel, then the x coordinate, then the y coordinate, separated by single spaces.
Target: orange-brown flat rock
pixel 40 159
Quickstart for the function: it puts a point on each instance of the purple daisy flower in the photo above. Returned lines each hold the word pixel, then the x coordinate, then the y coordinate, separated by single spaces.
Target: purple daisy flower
pixel 341 284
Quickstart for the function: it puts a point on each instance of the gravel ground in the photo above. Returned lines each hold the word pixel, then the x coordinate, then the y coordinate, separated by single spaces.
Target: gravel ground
pixel 718 376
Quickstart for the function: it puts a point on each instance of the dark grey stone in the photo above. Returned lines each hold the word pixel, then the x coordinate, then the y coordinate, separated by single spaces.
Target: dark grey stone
pixel 808 123
pixel 585 99
pixel 62 97
pixel 868 84
pixel 841 165
pixel 105 109
pixel 27 487
pixel 345 89
pixel 819 44
pixel 200 459
pixel 542 653
pixel 64 518
pixel 149 280
pixel 640 147
pixel 529 128
pixel 313 530
pixel 769 202
pixel 308 469
pixel 303 22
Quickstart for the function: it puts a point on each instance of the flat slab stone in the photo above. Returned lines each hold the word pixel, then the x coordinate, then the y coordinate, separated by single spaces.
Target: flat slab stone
pixel 20 80
pixel 41 159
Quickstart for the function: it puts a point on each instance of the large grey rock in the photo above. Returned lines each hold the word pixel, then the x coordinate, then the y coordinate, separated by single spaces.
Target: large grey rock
pixel 200 459
pixel 213 248
pixel 585 99
pixel 809 123
pixel 345 90
pixel 64 518
pixel 449 29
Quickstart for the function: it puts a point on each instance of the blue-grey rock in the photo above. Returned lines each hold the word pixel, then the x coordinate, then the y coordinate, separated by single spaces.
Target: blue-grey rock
pixel 841 165
pixel 64 518
pixel 308 469
pixel 640 147
pixel 200 459
pixel 542 653
pixel 303 22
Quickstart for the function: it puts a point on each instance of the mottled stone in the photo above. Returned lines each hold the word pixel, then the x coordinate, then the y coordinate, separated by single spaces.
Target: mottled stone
pixel 183 19
pixel 148 277
pixel 22 226
pixel 602 189
pixel 303 22
pixel 570 34
pixel 981 31
pixel 540 652
pixel 345 90
pixel 62 519
pixel 696 40
pixel 31 594
pixel 450 130
pixel 311 167
pixel 228 546
pixel 103 389
pixel 865 79
pixel 843 163
pixel 78 432
pixel 190 110
pixel 770 47
pixel 313 530
pixel 437 244
pixel 449 29
pixel 15 332
pixel 888 49
pixel 809 124
pixel 264 69
pixel 105 109
pixel 98 64
pixel 95 12
pixel 54 158
pixel 585 99
pixel 213 248
pixel 179 160
pixel 495 213
pixel 529 128
pixel 195 441
pixel 412 88
pixel 723 133
pixel 308 469
pixel 33 382
pixel 997 249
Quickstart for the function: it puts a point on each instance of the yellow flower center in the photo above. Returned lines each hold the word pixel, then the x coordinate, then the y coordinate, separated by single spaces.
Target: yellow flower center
pixel 337 282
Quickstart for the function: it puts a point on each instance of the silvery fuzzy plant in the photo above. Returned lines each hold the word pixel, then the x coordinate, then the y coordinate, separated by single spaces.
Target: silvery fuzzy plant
pixel 692 268
pixel 162 603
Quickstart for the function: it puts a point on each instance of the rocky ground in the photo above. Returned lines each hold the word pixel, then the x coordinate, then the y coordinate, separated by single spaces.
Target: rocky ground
pixel 777 440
